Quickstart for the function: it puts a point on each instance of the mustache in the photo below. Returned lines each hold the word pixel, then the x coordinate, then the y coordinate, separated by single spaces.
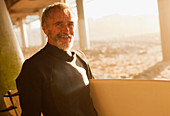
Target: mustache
pixel 67 35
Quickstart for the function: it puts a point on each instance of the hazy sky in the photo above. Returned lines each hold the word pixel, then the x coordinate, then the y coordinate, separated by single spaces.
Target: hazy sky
pixel 99 8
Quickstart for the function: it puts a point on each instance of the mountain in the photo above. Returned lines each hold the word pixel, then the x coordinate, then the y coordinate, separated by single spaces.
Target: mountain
pixel 118 26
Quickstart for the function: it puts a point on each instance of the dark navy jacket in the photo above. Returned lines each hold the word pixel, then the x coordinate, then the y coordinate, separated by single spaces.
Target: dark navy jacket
pixel 56 84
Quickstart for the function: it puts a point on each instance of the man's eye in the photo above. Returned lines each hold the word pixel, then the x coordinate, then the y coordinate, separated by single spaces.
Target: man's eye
pixel 71 25
pixel 57 24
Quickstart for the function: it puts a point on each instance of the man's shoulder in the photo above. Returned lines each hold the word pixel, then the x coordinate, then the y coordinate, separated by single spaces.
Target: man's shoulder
pixel 81 55
pixel 36 58
pixel 38 55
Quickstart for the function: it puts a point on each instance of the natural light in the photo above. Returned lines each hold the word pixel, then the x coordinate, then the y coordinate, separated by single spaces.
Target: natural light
pixel 99 8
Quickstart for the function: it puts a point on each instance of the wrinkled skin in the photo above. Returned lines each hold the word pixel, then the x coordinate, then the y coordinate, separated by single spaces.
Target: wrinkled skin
pixel 60 30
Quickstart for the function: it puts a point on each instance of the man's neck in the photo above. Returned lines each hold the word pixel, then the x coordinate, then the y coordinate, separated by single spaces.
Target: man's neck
pixel 67 51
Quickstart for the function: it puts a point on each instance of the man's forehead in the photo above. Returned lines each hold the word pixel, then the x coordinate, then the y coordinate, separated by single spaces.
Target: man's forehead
pixel 67 12
pixel 63 16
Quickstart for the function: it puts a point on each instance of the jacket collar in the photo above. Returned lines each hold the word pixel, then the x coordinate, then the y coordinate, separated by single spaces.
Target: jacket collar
pixel 58 53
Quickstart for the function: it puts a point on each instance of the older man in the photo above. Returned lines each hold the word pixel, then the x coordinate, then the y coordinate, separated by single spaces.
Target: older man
pixel 54 81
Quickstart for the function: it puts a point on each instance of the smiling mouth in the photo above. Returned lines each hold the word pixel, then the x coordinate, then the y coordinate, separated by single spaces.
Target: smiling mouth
pixel 64 36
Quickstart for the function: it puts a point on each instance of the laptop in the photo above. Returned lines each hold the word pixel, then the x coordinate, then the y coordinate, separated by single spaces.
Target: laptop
pixel 114 97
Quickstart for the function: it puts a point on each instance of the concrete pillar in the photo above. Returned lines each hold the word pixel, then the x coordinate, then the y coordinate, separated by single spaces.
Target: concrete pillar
pixel 82 25
pixel 43 37
pixel 11 57
pixel 64 1
pixel 164 17
pixel 23 30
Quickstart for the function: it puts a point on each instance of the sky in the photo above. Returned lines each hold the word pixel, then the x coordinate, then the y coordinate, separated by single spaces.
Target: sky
pixel 98 8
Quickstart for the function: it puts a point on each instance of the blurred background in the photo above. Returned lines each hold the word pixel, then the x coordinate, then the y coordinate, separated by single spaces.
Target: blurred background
pixel 124 38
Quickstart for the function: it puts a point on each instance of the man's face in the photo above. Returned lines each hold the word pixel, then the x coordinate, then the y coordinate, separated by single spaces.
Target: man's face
pixel 60 29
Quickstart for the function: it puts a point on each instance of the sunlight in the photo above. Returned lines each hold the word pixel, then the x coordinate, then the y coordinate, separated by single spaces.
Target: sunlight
pixel 98 8
pixel 35 24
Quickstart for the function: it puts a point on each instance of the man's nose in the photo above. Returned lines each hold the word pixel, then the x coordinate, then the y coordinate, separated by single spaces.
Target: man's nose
pixel 66 29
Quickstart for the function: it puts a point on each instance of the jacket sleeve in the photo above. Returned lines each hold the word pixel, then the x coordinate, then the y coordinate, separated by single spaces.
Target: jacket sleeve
pixel 89 73
pixel 30 92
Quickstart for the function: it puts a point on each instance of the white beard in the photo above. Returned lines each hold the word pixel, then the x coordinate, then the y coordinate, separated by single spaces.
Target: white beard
pixel 64 46
pixel 58 43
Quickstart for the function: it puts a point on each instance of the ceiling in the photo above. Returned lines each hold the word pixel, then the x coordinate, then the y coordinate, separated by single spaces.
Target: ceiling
pixel 22 8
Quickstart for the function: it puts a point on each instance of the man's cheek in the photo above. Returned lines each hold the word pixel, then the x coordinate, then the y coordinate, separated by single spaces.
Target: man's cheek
pixel 72 33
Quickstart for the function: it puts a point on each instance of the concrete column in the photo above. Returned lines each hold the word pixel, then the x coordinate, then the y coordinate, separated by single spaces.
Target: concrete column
pixel 64 1
pixel 11 57
pixel 24 35
pixel 43 37
pixel 164 17
pixel 82 25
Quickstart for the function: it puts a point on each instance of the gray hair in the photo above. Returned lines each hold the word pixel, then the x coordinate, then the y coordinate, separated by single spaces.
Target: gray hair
pixel 47 12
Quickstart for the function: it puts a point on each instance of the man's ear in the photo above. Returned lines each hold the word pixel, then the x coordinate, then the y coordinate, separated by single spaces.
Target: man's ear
pixel 45 29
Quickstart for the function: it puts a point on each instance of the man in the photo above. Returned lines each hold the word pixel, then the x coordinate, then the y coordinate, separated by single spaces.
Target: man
pixel 55 80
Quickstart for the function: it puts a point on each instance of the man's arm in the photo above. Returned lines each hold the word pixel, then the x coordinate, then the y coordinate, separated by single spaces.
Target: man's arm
pixel 30 91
